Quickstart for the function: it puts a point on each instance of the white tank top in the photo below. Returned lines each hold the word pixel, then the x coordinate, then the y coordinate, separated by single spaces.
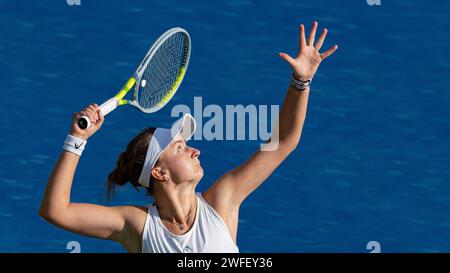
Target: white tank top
pixel 208 234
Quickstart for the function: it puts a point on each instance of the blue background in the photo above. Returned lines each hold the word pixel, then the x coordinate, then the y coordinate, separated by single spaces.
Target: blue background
pixel 373 157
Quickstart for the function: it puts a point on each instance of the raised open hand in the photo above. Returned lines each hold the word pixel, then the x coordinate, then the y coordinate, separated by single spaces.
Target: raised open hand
pixel 308 57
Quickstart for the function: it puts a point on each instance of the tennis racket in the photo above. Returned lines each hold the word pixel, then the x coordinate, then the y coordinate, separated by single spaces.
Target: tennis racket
pixel 157 78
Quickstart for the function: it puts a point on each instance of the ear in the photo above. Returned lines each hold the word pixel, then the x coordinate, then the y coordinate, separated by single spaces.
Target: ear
pixel 159 173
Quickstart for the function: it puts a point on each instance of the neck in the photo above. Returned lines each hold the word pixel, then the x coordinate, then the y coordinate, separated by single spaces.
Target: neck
pixel 176 205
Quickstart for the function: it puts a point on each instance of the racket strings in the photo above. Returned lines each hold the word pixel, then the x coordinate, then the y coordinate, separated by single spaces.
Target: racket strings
pixel 162 71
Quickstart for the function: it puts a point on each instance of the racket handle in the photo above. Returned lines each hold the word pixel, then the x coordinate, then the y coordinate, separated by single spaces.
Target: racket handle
pixel 84 122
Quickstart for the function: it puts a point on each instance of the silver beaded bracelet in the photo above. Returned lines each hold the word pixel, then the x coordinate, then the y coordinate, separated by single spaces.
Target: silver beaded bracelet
pixel 299 85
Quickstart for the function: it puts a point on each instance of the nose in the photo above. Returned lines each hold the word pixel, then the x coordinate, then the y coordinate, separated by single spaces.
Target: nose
pixel 195 153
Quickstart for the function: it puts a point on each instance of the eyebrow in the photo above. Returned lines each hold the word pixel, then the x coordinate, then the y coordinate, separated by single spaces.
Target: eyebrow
pixel 173 143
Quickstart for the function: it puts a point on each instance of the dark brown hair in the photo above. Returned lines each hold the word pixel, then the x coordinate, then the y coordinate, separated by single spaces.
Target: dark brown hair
pixel 130 163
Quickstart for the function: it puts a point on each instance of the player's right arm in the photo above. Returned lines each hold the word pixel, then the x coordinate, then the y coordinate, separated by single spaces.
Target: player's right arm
pixel 114 223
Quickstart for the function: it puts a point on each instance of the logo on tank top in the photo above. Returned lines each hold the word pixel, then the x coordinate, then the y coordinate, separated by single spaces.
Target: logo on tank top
pixel 187 249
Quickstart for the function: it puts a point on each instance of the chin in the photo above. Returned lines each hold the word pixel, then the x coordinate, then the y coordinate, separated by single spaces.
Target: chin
pixel 199 173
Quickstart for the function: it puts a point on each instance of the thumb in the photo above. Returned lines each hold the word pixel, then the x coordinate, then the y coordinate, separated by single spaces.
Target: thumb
pixel 287 58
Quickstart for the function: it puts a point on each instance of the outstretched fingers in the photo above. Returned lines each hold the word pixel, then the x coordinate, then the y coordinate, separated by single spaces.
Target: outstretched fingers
pixel 321 39
pixel 302 44
pixel 312 33
pixel 327 53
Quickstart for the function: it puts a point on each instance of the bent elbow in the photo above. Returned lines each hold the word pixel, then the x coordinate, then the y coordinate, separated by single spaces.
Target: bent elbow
pixel 294 145
pixel 50 215
pixel 290 146
pixel 44 213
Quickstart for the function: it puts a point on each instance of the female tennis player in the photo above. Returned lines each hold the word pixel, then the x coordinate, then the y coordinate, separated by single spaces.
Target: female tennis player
pixel 159 160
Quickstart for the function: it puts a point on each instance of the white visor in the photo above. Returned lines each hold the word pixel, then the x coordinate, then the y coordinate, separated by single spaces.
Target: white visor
pixel 185 126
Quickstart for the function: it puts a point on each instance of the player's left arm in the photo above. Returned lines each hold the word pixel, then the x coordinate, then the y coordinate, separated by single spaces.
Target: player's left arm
pixel 230 190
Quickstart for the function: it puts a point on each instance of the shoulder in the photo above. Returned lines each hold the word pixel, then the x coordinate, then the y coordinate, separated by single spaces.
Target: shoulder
pixel 220 195
pixel 134 215
pixel 220 206
pixel 134 222
pixel 226 210
pixel 131 212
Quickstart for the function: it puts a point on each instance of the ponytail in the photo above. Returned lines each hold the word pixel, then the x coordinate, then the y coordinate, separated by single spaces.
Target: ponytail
pixel 129 164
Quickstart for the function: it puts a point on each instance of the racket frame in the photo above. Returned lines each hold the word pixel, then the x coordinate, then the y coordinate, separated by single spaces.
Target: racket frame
pixel 140 71
pixel 135 80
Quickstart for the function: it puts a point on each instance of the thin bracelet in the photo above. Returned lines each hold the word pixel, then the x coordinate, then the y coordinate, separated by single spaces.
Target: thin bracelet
pixel 299 85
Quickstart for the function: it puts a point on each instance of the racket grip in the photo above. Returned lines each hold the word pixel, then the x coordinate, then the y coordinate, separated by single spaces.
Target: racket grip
pixel 84 122
pixel 109 106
